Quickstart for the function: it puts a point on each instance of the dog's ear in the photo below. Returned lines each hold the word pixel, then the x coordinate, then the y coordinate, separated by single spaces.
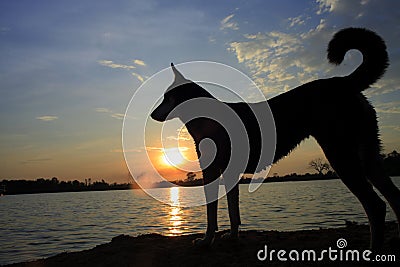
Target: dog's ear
pixel 178 76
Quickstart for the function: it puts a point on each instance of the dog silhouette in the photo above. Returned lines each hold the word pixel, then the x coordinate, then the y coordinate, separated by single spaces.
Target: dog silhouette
pixel 334 111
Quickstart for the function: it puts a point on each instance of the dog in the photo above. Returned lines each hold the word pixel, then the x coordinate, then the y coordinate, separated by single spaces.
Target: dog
pixel 334 111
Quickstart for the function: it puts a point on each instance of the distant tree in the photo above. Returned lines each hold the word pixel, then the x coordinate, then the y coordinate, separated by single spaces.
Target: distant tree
pixel 54 180
pixel 75 183
pixel 319 165
pixel 190 176
pixel 391 163
pixel 40 180
pixel 394 154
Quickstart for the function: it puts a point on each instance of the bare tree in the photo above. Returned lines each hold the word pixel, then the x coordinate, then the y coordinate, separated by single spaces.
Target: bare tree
pixel 319 165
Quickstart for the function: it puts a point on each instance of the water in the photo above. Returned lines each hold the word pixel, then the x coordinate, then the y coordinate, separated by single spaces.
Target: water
pixel 41 225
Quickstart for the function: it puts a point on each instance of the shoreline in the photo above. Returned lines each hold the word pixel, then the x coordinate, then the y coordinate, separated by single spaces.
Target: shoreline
pixel 198 182
pixel 159 250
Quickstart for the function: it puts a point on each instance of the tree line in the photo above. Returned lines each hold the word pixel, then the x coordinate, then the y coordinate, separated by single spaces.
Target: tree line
pixel 54 185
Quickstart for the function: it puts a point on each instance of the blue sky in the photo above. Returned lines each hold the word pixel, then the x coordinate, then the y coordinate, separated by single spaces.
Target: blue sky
pixel 69 68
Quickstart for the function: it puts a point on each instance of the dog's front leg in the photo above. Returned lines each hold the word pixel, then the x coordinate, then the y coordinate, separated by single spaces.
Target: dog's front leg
pixel 234 212
pixel 211 189
pixel 232 188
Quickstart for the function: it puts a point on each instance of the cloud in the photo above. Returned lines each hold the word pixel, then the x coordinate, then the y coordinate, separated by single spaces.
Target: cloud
pixel 391 127
pixel 152 148
pixel 384 86
pixel 111 64
pixel 35 161
pixel 227 23
pixel 139 62
pixel 119 150
pixel 388 108
pixel 4 30
pixel 326 6
pixel 182 134
pixel 269 57
pixel 119 116
pixel 179 138
pixel 105 110
pixel 47 118
pixel 299 20
pixel 279 60
pixel 138 76
pixel 162 149
pixel 113 114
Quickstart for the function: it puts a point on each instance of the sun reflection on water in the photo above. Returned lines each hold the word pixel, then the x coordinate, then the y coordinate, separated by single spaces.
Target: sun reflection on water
pixel 175 213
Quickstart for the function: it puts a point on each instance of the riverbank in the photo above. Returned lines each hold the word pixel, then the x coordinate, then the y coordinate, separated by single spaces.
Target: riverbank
pixel 158 250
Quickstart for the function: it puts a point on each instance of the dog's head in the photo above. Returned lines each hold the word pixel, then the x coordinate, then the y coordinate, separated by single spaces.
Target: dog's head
pixel 178 92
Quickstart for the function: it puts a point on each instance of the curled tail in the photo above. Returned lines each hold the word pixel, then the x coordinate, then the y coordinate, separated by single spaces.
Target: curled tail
pixel 373 49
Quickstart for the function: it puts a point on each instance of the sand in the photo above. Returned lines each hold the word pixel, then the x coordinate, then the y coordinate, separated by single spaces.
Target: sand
pixel 158 250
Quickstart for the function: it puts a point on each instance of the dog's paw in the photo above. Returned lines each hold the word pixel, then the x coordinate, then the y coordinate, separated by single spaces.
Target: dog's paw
pixel 204 242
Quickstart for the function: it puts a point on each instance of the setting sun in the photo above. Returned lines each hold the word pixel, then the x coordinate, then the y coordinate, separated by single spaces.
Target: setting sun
pixel 172 156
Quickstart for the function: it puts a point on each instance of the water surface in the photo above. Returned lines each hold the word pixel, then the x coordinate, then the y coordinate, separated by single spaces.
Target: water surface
pixel 41 225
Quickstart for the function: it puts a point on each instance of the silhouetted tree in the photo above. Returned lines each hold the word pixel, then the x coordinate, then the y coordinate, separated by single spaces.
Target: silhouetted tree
pixel 190 176
pixel 391 163
pixel 319 165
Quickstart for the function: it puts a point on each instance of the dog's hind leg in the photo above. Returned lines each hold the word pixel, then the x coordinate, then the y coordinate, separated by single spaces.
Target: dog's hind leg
pixel 348 165
pixel 384 184
pixel 374 206
pixel 211 188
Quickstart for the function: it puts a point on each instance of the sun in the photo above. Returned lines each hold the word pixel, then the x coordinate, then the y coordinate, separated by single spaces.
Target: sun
pixel 172 157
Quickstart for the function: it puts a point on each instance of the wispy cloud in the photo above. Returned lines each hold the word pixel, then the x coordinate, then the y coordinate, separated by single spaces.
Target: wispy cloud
pixel 139 62
pixel 162 149
pixel 326 6
pixel 182 134
pixel 47 118
pixel 227 23
pixel 111 64
pixel 113 114
pixel 299 20
pixel 384 86
pixel 119 116
pixel 153 148
pixel 34 161
pixel 105 110
pixel 391 127
pixel 138 76
pixel 179 138
pixel 4 29
pixel 388 108
pixel 119 150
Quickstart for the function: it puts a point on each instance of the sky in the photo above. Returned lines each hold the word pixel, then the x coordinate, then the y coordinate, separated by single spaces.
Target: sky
pixel 69 68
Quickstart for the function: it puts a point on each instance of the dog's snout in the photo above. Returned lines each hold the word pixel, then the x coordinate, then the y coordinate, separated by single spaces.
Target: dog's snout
pixel 163 111
pixel 155 115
